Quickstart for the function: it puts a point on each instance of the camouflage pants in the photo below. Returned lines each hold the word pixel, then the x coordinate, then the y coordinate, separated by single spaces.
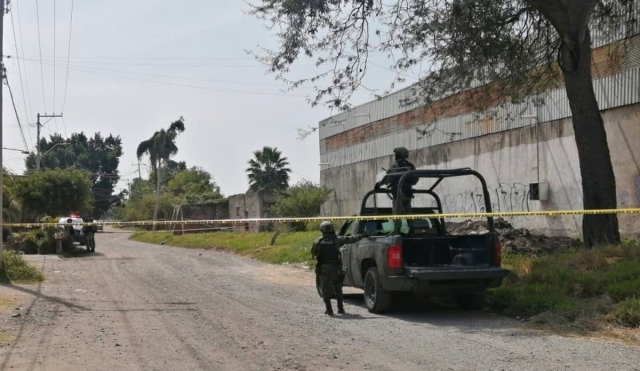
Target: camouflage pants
pixel 330 281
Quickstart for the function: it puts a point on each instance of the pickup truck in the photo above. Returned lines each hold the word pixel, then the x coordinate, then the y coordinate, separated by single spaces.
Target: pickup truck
pixel 416 254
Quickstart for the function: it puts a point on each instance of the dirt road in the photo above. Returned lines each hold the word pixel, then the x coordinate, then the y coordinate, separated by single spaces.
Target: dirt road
pixel 133 306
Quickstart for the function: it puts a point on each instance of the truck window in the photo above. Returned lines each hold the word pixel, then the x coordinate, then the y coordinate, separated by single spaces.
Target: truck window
pixel 386 227
pixel 352 229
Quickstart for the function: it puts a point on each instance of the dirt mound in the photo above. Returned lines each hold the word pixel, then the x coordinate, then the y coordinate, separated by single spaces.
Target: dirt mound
pixel 518 240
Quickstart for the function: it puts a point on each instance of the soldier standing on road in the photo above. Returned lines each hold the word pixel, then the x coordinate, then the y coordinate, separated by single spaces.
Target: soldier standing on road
pixel 326 252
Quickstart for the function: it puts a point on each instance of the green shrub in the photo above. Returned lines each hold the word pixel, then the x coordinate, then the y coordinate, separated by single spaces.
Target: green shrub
pixel 626 313
pixel 17 269
pixel 37 241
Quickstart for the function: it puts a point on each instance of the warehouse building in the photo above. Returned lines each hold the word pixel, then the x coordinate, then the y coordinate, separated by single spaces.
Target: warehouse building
pixel 515 146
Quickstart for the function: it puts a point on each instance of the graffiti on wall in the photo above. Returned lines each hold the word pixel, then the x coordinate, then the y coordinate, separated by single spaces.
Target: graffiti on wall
pixel 506 197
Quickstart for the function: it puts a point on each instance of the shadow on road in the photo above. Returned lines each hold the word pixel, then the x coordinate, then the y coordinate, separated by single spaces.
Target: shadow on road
pixel 39 295
pixel 80 252
pixel 437 312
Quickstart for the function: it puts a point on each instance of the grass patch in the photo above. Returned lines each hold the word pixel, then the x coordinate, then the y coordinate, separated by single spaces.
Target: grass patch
pixel 6 302
pixel 294 247
pixel 602 284
pixel 16 269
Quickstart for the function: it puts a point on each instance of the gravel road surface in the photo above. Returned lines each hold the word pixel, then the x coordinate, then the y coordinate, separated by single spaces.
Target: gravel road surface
pixel 132 306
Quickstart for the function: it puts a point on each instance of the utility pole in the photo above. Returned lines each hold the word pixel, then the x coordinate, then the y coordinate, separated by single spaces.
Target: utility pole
pixel 39 125
pixel 2 10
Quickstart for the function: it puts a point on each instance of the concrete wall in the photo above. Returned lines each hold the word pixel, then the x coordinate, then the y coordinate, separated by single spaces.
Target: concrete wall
pixel 507 160
pixel 250 205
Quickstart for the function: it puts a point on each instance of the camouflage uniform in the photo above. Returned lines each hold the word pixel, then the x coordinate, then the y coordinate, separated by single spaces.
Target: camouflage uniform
pixel 401 155
pixel 326 251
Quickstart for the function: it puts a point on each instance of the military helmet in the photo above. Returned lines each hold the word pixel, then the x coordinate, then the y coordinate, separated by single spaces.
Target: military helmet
pixel 326 227
pixel 401 153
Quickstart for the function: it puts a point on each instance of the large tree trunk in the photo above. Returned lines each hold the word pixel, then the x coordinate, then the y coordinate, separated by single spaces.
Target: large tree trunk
pixel 155 208
pixel 598 180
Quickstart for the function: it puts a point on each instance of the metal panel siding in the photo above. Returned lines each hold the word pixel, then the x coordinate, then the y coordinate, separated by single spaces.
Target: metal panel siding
pixel 390 105
pixel 612 91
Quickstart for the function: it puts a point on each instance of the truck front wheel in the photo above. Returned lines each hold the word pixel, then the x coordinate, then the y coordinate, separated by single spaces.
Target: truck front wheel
pixel 376 298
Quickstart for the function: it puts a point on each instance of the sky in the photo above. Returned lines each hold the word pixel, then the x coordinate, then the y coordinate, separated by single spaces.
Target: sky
pixel 136 66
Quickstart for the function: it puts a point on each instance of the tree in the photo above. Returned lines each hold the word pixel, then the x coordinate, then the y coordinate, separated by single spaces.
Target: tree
pixel 11 208
pixel 492 50
pixel 54 193
pixel 160 148
pixel 304 199
pixel 99 155
pixel 168 171
pixel 268 171
pixel 193 186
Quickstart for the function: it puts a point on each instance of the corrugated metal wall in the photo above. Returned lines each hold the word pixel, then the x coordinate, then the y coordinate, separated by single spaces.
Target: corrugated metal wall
pixel 612 91
pixel 390 105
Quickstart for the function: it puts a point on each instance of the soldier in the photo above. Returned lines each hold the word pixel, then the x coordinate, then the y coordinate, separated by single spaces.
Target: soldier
pixel 89 231
pixel 402 164
pixel 326 252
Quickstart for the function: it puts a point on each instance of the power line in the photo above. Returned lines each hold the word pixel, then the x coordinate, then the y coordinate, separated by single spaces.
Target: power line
pixel 6 80
pixel 165 58
pixel 66 82
pixel 182 85
pixel 26 78
pixel 178 65
pixel 26 111
pixel 44 100
pixel 54 57
pixel 170 76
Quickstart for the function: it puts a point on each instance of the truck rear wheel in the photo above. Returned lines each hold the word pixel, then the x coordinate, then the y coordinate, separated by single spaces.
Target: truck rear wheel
pixel 471 300
pixel 376 298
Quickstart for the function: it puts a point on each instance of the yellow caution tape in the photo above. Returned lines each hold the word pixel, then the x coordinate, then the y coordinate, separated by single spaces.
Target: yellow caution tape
pixel 334 218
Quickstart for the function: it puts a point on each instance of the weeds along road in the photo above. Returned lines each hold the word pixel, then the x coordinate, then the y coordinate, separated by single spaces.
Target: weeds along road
pixel 132 306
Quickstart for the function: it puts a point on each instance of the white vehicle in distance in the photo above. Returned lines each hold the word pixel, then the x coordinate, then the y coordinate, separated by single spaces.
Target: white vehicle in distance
pixel 76 223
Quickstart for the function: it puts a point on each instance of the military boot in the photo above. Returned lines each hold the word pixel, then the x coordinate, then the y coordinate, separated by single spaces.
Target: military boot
pixel 329 310
pixel 341 306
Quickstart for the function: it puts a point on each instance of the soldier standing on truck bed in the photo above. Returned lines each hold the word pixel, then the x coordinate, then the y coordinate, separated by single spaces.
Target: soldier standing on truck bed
pixel 402 163
pixel 326 252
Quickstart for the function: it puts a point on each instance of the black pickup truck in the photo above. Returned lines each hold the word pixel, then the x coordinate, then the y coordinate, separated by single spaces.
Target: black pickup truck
pixel 417 255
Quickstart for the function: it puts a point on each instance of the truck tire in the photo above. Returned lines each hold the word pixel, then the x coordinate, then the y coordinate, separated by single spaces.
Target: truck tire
pixel 376 298
pixel 471 300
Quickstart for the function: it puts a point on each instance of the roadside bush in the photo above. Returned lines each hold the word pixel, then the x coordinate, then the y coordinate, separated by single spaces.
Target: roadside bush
pixel 38 241
pixel 17 269
pixel 304 199
pixel 573 284
pixel 626 313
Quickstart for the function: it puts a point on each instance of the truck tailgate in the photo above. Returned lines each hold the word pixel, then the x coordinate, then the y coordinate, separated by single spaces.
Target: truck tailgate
pixel 455 272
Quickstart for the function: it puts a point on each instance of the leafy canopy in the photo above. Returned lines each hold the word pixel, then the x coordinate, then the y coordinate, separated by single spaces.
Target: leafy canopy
pixel 268 170
pixel 56 192
pixel 304 199
pixel 193 186
pixel 99 155
pixel 162 145
pixel 510 47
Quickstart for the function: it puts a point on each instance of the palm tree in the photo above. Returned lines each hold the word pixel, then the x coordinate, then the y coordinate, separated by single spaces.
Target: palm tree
pixel 160 148
pixel 268 171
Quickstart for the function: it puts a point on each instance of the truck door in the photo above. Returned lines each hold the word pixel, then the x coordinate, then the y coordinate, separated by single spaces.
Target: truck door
pixel 348 229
